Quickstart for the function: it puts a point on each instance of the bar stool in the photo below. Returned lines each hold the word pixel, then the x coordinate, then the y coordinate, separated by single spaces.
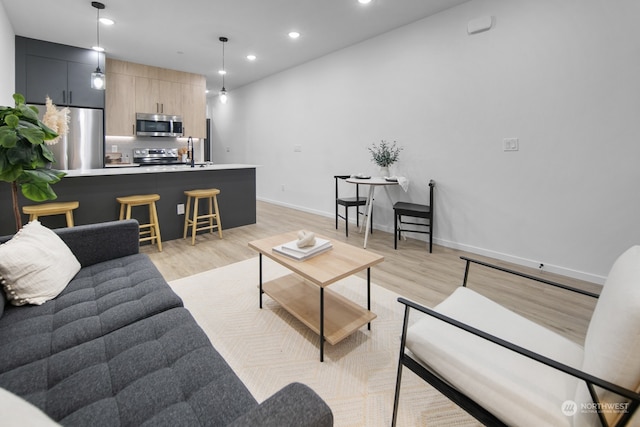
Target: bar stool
pixel 46 209
pixel 153 227
pixel 197 220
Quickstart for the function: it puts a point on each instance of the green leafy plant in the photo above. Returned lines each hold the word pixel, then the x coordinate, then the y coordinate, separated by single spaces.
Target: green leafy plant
pixel 384 154
pixel 25 158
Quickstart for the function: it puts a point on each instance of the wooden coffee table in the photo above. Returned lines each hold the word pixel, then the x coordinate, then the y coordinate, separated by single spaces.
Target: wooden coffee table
pixel 330 315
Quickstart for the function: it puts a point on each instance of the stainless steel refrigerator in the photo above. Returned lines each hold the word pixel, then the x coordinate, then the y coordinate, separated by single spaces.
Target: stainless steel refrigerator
pixel 83 146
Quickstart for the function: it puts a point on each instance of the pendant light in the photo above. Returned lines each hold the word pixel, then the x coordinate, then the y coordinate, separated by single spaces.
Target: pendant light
pixel 223 92
pixel 98 80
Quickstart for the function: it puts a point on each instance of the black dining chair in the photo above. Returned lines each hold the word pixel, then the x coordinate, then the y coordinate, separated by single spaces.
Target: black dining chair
pixel 414 210
pixel 349 202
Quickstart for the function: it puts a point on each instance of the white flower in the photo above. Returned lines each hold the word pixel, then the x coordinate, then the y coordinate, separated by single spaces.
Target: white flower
pixel 56 120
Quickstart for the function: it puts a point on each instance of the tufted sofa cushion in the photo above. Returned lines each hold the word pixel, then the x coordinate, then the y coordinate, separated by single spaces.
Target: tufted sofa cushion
pixel 100 299
pixel 116 347
pixel 158 371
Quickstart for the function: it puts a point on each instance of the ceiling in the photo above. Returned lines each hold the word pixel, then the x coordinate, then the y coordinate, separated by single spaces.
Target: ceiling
pixel 183 35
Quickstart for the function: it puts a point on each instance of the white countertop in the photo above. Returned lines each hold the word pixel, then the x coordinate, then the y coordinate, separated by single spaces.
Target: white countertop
pixel 154 169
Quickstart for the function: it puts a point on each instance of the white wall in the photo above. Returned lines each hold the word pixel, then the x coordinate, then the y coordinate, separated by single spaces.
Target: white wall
pixel 7 65
pixel 560 75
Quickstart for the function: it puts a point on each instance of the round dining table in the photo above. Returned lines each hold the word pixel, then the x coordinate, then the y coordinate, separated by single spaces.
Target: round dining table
pixel 372 182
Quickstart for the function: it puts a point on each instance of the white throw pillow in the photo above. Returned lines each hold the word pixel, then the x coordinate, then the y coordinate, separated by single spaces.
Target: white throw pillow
pixel 17 412
pixel 35 265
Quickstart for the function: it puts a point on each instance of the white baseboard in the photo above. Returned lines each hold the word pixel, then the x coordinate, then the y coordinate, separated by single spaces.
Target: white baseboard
pixel 296 207
pixel 580 275
pixel 568 272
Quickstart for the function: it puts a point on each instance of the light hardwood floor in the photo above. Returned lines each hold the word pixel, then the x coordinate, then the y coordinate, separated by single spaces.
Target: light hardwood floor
pixel 410 271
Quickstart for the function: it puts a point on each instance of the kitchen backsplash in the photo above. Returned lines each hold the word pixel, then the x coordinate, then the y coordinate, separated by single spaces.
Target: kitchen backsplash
pixel 124 145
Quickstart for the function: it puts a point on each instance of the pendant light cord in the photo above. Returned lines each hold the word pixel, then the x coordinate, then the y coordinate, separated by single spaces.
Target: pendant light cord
pixel 98 6
pixel 223 92
pixel 98 35
pixel 223 69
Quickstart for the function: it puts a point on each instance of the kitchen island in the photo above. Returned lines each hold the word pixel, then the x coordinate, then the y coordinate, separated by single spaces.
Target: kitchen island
pixel 97 189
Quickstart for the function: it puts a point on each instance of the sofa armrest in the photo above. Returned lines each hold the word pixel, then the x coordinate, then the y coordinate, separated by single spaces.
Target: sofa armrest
pixel 294 405
pixel 94 243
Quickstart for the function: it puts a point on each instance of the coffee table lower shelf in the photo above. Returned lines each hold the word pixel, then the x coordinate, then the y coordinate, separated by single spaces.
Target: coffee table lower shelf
pixel 342 317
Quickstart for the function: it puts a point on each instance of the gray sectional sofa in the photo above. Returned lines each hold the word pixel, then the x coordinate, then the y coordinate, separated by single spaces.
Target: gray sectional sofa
pixel 117 347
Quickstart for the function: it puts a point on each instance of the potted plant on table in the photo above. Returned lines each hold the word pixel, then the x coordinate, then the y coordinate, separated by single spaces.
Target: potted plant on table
pixel 384 155
pixel 25 157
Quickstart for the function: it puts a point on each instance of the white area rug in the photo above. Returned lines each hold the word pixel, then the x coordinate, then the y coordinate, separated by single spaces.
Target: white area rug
pixel 269 348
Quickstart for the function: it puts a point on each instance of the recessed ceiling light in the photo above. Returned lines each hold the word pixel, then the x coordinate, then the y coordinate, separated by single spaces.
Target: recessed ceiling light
pixel 107 21
pixel 364 1
pixel 97 48
pixel 222 72
pixel 294 34
pixel 251 57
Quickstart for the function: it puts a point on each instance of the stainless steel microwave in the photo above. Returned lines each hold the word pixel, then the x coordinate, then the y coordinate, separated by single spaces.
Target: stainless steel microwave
pixel 158 125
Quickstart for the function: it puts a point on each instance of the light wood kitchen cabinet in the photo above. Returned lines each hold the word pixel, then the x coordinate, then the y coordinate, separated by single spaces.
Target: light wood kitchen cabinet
pixel 194 106
pixel 136 88
pixel 158 96
pixel 120 108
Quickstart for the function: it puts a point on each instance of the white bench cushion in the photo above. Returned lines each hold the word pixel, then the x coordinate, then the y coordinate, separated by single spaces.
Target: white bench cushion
pixel 516 389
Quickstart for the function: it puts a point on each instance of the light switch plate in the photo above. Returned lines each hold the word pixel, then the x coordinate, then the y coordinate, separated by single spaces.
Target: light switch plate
pixel 510 144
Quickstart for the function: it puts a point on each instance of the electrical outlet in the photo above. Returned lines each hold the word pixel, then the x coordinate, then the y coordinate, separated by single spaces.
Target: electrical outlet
pixel 114 148
pixel 510 144
pixel 297 148
pixel 282 187
pixel 180 209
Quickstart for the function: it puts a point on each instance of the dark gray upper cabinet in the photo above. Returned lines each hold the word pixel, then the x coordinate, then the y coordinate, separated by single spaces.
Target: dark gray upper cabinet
pixel 79 84
pixel 63 73
pixel 46 77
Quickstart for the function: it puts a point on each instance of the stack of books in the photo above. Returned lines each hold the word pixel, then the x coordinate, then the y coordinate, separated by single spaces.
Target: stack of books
pixel 292 250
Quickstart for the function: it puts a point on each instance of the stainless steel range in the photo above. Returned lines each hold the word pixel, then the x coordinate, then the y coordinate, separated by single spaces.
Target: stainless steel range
pixel 156 156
